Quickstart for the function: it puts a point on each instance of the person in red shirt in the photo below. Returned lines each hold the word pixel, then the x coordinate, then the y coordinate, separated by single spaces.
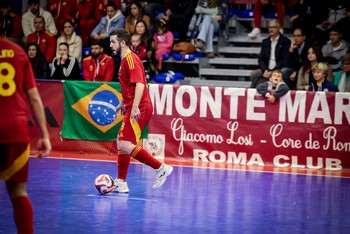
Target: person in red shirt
pixel 17 82
pixel 86 18
pixel 98 66
pixel 138 47
pixel 137 108
pixel 61 11
pixel 258 10
pixel 45 40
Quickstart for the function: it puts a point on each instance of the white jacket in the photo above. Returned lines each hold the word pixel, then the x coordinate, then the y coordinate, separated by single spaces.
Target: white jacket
pixel 75 46
pixel 28 22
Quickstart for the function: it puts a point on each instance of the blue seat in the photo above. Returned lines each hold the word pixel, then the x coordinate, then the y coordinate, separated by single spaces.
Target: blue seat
pixel 166 56
pixel 86 51
pixel 184 57
pixel 248 13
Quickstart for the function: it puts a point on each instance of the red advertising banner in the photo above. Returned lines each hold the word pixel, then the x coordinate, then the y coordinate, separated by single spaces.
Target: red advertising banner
pixel 233 126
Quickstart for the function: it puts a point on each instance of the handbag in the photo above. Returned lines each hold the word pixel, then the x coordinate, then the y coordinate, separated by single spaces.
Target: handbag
pixel 184 48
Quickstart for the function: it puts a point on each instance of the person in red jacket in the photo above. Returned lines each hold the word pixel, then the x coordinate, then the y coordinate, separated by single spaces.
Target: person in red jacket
pixel 45 40
pixel 98 66
pixel 87 21
pixel 61 11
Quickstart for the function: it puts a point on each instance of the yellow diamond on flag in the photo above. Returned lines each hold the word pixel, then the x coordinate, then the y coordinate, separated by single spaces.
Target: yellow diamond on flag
pixel 98 107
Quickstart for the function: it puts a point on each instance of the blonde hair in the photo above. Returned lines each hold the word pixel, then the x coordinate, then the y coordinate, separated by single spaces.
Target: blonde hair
pixel 323 67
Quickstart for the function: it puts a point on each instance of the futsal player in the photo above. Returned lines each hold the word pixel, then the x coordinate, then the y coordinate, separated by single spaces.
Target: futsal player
pixel 137 109
pixel 16 82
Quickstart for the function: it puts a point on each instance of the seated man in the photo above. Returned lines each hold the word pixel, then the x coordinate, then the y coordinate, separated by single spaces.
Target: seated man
pixel 10 23
pixel 273 54
pixel 45 40
pixel 28 19
pixel 98 66
pixel 335 49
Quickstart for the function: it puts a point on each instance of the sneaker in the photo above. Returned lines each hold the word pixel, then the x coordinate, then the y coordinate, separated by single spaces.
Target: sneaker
pixel 162 173
pixel 199 44
pixel 254 33
pixel 120 186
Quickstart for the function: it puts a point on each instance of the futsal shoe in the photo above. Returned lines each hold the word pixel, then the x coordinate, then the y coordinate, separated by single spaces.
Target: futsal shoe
pixel 162 173
pixel 254 33
pixel 120 186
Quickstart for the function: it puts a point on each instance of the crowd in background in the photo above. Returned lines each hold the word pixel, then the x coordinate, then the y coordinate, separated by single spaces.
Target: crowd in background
pixel 55 33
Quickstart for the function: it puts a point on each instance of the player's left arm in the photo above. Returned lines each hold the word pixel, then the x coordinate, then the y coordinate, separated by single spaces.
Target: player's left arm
pixel 44 145
pixel 135 111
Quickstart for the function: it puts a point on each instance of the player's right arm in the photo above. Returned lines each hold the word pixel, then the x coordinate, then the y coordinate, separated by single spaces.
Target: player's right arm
pixel 44 144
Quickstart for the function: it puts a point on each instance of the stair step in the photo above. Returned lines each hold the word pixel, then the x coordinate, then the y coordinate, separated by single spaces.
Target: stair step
pixel 233 61
pixel 239 50
pixel 224 72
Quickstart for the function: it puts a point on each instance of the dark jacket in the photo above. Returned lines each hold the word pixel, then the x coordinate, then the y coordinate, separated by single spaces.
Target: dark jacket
pixel 278 91
pixel 296 60
pixel 40 67
pixel 281 53
pixel 68 71
pixel 326 86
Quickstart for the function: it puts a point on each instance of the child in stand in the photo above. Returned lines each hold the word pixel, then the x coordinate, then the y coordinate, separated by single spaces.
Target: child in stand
pixel 138 47
pixel 320 71
pixel 163 40
pixel 274 87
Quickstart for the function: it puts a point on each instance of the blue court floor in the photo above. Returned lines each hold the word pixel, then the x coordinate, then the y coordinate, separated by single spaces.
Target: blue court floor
pixel 193 200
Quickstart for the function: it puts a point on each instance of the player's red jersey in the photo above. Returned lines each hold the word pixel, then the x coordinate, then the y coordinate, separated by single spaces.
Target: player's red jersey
pixel 13 86
pixel 131 71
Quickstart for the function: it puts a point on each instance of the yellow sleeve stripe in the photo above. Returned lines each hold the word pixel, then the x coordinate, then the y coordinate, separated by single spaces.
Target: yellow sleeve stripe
pixel 130 61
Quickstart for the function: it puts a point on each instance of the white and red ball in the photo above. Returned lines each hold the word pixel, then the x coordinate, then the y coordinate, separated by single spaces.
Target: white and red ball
pixel 104 183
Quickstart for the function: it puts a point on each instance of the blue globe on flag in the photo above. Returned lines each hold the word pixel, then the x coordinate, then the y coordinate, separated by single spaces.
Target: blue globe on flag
pixel 102 107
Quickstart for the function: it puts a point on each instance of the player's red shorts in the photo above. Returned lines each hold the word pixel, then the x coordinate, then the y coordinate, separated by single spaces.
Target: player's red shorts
pixel 14 162
pixel 131 130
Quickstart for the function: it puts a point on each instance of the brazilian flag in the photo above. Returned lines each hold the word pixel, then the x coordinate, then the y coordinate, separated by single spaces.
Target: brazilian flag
pixel 89 111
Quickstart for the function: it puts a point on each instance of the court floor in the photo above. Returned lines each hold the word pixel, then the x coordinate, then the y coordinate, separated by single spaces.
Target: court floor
pixel 193 200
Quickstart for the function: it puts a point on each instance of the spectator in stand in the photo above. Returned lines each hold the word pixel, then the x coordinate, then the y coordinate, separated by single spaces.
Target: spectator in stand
pixel 146 37
pixel 64 66
pixel 335 49
pixel 135 14
pixel 37 59
pixel 28 19
pixel 10 23
pixel 43 5
pixel 101 8
pixel 150 8
pixel 307 14
pixel 163 40
pixel 138 47
pixel 209 13
pixel 45 40
pixel 342 78
pixel 72 39
pixel 178 16
pixel 112 21
pixel 320 71
pixel 98 66
pixel 338 13
pixel 87 21
pixel 305 76
pixel 273 88
pixel 61 11
pixel 297 57
pixel 273 54
pixel 259 6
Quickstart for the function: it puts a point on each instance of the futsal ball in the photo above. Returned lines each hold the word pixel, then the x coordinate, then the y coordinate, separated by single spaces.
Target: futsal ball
pixel 104 183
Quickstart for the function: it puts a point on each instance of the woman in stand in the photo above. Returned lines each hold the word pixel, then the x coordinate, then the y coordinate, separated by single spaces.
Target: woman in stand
pixel 65 67
pixel 37 59
pixel 305 75
pixel 135 14
pixel 72 39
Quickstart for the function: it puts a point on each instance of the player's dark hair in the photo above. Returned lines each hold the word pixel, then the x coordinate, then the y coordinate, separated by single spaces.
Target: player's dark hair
pixel 122 35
